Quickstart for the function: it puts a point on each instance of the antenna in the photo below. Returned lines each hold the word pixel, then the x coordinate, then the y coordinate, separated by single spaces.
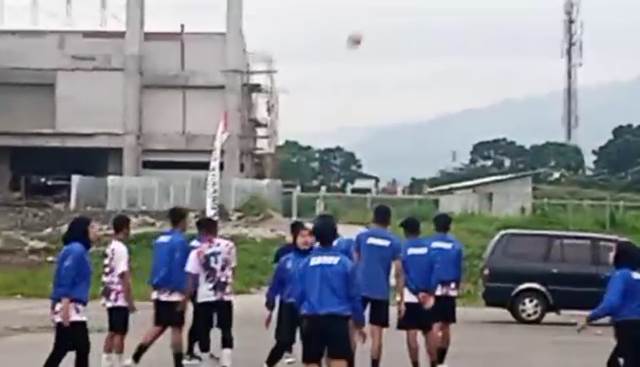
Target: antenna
pixel 573 55
pixel 103 13
pixel 35 13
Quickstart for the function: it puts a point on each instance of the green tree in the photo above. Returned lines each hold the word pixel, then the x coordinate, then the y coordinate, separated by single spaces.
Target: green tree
pixel 337 167
pixel 500 154
pixel 297 163
pixel 621 153
pixel 557 156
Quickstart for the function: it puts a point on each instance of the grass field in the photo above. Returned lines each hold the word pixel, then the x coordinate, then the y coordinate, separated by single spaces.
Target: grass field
pixel 254 269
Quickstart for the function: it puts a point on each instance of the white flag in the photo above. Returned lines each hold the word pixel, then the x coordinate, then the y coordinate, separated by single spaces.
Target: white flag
pixel 213 178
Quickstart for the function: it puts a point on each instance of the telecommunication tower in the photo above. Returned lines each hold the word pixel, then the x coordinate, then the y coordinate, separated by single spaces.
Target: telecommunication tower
pixel 573 55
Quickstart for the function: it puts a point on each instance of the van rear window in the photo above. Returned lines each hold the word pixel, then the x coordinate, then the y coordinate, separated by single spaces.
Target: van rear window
pixel 526 247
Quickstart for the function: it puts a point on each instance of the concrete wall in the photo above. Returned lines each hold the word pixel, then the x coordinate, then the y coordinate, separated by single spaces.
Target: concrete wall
pixel 512 197
pixel 459 203
pixel 27 107
pixel 164 191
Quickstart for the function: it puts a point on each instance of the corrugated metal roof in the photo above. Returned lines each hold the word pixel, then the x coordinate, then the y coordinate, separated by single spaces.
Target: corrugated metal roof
pixel 479 182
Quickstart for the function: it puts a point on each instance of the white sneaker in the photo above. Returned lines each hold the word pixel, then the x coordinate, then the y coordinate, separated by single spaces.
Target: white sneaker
pixel 289 358
pixel 129 363
pixel 107 360
pixel 225 358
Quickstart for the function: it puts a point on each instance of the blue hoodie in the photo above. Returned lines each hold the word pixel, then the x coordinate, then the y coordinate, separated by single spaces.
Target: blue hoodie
pixel 377 249
pixel 622 299
pixel 170 254
pixel 418 265
pixel 72 278
pixel 346 246
pixel 447 256
pixel 282 283
pixel 327 285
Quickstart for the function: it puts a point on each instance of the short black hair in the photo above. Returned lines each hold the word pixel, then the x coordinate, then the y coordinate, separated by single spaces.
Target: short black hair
pixel 325 230
pixel 121 223
pixel 382 215
pixel 177 215
pixel 442 222
pixel 295 228
pixel 411 226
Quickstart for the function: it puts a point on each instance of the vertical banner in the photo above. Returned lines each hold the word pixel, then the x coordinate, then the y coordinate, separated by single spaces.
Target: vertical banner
pixel 214 176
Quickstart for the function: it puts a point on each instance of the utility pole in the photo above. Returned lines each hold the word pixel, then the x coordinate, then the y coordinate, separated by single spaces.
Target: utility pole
pixel 572 53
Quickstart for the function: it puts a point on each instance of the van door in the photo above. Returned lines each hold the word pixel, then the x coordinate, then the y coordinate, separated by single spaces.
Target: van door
pixel 574 280
pixel 604 251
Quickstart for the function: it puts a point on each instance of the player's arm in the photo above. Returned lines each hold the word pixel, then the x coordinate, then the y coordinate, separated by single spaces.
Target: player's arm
pixel 193 268
pixel 399 272
pixel 357 249
pixel 125 277
pixel 68 272
pixel 275 287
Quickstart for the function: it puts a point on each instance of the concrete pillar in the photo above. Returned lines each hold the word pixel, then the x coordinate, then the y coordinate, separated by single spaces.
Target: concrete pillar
pixel 235 74
pixel 134 39
pixel 5 171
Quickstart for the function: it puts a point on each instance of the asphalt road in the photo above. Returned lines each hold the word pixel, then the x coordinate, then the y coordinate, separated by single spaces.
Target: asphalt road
pixel 482 338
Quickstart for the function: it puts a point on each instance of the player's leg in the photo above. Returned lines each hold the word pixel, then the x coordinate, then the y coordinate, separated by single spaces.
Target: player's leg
pixel 107 348
pixel 432 342
pixel 194 335
pixel 81 343
pixel 412 347
pixel 378 320
pixel 119 327
pixel 338 340
pixel 224 313
pixel 313 346
pixel 61 346
pixel 444 330
pixel 162 320
pixel 285 334
pixel 205 324
pixel 176 345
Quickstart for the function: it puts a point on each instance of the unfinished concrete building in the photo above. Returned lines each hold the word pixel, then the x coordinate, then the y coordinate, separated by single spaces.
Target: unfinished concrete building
pixel 131 103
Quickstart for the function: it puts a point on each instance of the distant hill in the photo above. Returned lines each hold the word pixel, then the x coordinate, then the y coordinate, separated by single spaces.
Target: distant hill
pixel 421 149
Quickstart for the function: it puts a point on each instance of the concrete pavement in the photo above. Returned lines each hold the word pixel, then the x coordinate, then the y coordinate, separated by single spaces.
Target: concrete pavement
pixel 483 338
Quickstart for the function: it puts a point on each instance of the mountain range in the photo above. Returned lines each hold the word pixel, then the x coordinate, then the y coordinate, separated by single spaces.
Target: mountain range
pixel 420 149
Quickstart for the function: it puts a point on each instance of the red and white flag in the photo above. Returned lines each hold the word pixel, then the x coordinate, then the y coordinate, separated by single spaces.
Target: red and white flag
pixel 214 176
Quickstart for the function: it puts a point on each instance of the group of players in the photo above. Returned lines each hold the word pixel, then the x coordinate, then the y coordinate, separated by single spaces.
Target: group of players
pixel 325 284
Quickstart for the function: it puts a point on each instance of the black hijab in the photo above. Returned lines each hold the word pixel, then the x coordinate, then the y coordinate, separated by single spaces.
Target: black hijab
pixel 627 256
pixel 78 231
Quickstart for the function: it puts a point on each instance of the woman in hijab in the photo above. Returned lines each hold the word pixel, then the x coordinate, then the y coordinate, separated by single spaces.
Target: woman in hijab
pixel 71 284
pixel 621 303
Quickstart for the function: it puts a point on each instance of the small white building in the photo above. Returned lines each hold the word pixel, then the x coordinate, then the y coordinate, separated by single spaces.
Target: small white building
pixel 364 184
pixel 502 195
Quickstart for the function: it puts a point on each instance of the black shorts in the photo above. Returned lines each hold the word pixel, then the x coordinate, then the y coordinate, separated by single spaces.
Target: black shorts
pixel 415 318
pixel 326 334
pixel 118 320
pixel 378 311
pixel 167 314
pixel 288 323
pixel 444 310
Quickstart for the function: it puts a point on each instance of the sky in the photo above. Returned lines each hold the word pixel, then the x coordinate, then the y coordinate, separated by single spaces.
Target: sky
pixel 419 59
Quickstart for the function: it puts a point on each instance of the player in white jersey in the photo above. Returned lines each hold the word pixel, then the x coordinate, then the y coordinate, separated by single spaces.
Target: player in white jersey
pixel 116 292
pixel 211 267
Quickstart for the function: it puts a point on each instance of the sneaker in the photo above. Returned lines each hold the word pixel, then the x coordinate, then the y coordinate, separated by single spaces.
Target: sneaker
pixel 289 359
pixel 192 359
pixel 213 357
pixel 129 363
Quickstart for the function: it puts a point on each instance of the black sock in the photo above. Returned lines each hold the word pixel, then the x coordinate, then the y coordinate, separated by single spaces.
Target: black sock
pixel 177 359
pixel 415 363
pixel 434 364
pixel 140 351
pixel 375 362
pixel 351 362
pixel 442 355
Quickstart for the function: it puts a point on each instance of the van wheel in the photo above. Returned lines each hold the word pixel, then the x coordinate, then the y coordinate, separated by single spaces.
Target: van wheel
pixel 529 307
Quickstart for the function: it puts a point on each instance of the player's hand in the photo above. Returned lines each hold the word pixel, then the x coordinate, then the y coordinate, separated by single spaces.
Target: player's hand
pixel 401 310
pixel 426 300
pixel 267 320
pixel 66 314
pixel 582 325
pixel 361 335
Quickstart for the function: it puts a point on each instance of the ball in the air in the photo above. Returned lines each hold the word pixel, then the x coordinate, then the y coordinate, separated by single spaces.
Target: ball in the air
pixel 354 40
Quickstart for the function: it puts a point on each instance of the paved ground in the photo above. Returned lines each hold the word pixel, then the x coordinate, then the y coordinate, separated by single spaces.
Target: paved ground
pixel 483 338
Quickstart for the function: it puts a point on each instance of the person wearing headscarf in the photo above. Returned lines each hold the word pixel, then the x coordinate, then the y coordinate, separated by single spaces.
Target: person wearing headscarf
pixel 71 285
pixel 621 303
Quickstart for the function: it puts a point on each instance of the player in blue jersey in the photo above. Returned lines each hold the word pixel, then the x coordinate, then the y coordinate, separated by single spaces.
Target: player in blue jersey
pixel 418 268
pixel 446 276
pixel 376 250
pixel 328 297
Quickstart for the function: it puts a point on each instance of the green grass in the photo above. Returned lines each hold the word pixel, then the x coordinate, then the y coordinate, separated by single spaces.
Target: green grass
pixel 254 269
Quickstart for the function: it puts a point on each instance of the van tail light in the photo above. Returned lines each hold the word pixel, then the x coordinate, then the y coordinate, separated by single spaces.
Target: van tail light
pixel 485 275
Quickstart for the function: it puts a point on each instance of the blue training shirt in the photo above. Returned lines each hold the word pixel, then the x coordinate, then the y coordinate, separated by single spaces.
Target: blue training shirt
pixel 377 249
pixel 72 277
pixel 447 256
pixel 622 299
pixel 284 277
pixel 170 253
pixel 417 264
pixel 327 284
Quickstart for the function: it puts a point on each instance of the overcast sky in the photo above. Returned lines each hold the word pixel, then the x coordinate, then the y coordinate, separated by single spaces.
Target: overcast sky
pixel 420 58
